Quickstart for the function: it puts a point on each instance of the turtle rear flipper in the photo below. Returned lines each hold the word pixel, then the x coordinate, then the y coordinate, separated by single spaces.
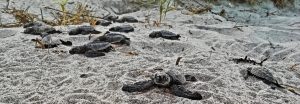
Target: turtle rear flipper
pixel 138 86
pixel 92 53
pixel 180 91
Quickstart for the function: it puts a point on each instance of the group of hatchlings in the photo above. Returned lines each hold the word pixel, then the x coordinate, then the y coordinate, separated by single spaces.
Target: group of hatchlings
pixel 170 79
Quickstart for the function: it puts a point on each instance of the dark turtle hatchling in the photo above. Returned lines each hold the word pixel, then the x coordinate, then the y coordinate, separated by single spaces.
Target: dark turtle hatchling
pixel 92 49
pixel 266 76
pixel 164 34
pixel 31 24
pixel 103 22
pixel 128 19
pixel 38 30
pixel 113 38
pixel 172 80
pixel 263 74
pixel 84 30
pixel 111 18
pixel 123 28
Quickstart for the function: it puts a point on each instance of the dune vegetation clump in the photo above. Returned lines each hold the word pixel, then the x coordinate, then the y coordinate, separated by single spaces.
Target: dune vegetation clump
pixel 283 3
pixel 80 14
pixel 62 16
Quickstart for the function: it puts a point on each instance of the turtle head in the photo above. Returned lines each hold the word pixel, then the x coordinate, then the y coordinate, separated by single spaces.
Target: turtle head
pixel 155 34
pixel 161 79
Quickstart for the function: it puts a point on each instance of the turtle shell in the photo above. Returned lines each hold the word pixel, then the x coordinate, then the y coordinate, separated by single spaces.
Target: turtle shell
pixel 38 30
pixel 123 28
pixel 103 22
pixel 84 30
pixel 31 24
pixel 177 77
pixel 102 47
pixel 99 47
pixel 164 34
pixel 111 18
pixel 262 73
pixel 113 38
pixel 128 19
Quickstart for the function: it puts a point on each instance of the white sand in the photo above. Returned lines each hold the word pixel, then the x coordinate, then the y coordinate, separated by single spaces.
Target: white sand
pixel 32 75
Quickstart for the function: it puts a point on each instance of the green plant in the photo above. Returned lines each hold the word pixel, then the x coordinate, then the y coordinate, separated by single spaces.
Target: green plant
pixel 164 7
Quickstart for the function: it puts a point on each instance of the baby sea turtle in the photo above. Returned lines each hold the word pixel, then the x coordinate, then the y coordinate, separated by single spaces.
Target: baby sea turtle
pixel 123 28
pixel 36 29
pixel 84 30
pixel 114 38
pixel 128 19
pixel 171 79
pixel 30 24
pixel 103 22
pixel 92 49
pixel 111 18
pixel 46 42
pixel 267 77
pixel 263 74
pixel 164 34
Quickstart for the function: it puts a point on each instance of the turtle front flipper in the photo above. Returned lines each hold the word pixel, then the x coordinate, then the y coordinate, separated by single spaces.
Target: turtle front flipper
pixel 138 86
pixel 180 91
pixel 93 53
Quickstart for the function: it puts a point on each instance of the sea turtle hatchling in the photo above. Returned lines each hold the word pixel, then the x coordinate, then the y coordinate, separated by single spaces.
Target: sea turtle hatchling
pixel 171 79
pixel 103 22
pixel 263 74
pixel 123 28
pixel 111 18
pixel 114 38
pixel 128 19
pixel 164 34
pixel 267 77
pixel 92 49
pixel 84 30
pixel 38 29
pixel 30 24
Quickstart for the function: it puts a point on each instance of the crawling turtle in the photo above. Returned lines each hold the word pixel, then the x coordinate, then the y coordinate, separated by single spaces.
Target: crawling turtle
pixel 46 42
pixel 84 30
pixel 92 49
pixel 37 29
pixel 111 18
pixel 128 19
pixel 103 22
pixel 171 79
pixel 123 28
pixel 31 24
pixel 263 74
pixel 164 34
pixel 114 38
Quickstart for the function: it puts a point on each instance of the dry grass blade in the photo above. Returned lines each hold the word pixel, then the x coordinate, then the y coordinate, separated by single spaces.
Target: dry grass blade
pixel 22 17
pixel 80 15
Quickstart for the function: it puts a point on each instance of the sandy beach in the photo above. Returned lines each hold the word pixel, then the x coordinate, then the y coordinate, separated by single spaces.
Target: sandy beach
pixel 207 45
